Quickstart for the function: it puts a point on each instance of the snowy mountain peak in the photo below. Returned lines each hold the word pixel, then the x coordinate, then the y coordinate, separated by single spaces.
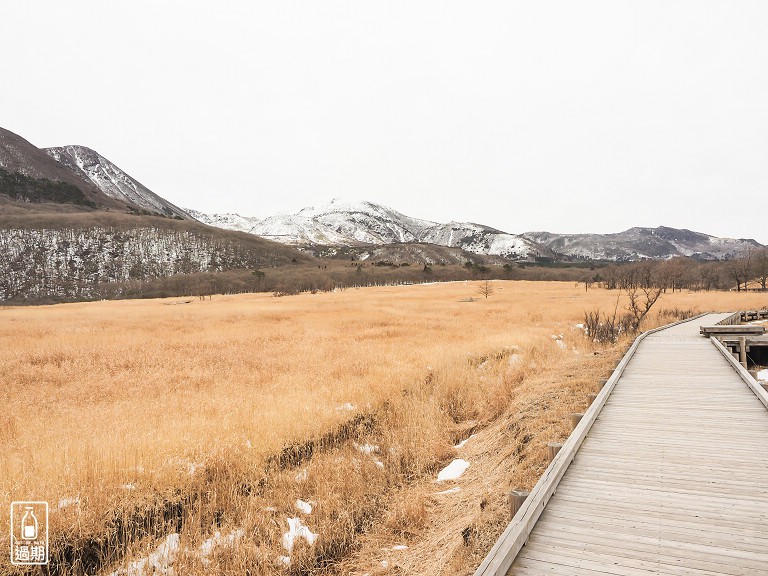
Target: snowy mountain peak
pixel 344 222
pixel 111 180
pixel 641 243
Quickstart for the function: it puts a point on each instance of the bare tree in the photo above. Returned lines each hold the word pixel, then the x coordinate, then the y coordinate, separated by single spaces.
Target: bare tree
pixel 674 273
pixel 641 300
pixel 709 273
pixel 485 289
pixel 761 266
pixel 740 270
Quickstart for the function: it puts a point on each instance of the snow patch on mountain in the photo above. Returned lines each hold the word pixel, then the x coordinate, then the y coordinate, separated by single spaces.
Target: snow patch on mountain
pixel 231 221
pixel 346 223
pixel 111 180
pixel 643 243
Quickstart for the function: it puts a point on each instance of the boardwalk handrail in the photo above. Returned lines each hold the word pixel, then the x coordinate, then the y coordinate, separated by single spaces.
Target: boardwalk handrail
pixel 742 372
pixel 502 555
pixel 731 320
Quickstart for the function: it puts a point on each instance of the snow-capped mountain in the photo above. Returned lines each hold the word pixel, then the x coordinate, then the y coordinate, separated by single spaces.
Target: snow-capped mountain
pixel 344 223
pixel 226 221
pixel 644 243
pixel 111 180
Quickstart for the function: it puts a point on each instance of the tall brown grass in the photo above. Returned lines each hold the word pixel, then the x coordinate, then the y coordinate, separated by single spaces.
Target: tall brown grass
pixel 161 416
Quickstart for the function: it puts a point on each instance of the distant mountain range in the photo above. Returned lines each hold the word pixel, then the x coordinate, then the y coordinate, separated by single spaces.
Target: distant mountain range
pixel 365 224
pixel 644 243
pixel 358 224
pixel 72 221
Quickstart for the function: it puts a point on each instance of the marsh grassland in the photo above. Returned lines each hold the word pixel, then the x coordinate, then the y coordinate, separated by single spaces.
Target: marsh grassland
pixel 140 420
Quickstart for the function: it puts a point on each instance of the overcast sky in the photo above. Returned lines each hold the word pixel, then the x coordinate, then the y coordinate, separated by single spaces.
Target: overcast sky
pixel 561 116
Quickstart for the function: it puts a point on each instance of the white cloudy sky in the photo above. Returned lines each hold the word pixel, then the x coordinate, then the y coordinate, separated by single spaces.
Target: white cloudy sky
pixel 565 116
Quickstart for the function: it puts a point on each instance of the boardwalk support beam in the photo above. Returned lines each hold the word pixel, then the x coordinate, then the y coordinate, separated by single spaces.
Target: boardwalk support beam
pixel 743 351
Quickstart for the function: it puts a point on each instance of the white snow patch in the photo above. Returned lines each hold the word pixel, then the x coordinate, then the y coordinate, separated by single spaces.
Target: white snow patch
pixel 346 407
pixel 400 547
pixel 762 375
pixel 463 442
pixel 64 502
pixel 384 564
pixel 302 476
pixel 161 560
pixel 304 507
pixel 219 541
pixel 284 560
pixel 297 530
pixel 366 448
pixel 453 471
pixel 449 491
pixel 128 486
pixel 379 463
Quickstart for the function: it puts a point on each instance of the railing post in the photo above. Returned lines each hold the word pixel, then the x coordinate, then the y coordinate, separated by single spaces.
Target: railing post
pixel 516 500
pixel 552 449
pixel 600 385
pixel 575 419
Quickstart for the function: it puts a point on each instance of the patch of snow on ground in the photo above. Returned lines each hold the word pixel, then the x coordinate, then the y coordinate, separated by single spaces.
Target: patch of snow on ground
pixel 346 407
pixel 558 339
pixel 161 560
pixel 400 547
pixel 219 541
pixel 463 442
pixel 302 476
pixel 379 463
pixel 284 560
pixel 366 448
pixel 297 530
pixel 449 491
pixel 453 471
pixel 304 507
pixel 762 375
pixel 128 486
pixel 64 502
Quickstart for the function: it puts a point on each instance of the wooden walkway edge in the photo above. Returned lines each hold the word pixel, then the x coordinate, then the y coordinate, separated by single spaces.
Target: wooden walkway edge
pixel 605 518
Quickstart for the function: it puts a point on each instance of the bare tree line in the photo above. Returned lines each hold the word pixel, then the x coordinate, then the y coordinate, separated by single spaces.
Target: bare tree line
pixel 749 272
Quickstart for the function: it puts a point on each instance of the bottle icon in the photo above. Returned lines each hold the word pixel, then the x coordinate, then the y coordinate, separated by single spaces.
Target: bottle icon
pixel 28 524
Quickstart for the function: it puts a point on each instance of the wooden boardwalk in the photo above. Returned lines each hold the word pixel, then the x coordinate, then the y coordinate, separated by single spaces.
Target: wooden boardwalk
pixel 672 476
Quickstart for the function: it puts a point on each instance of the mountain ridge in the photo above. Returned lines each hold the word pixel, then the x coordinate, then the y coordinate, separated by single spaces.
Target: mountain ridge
pixel 363 224
pixel 642 243
pixel 112 180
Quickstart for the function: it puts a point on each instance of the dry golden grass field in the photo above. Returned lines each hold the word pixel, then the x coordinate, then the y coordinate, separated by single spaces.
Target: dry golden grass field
pixel 137 420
